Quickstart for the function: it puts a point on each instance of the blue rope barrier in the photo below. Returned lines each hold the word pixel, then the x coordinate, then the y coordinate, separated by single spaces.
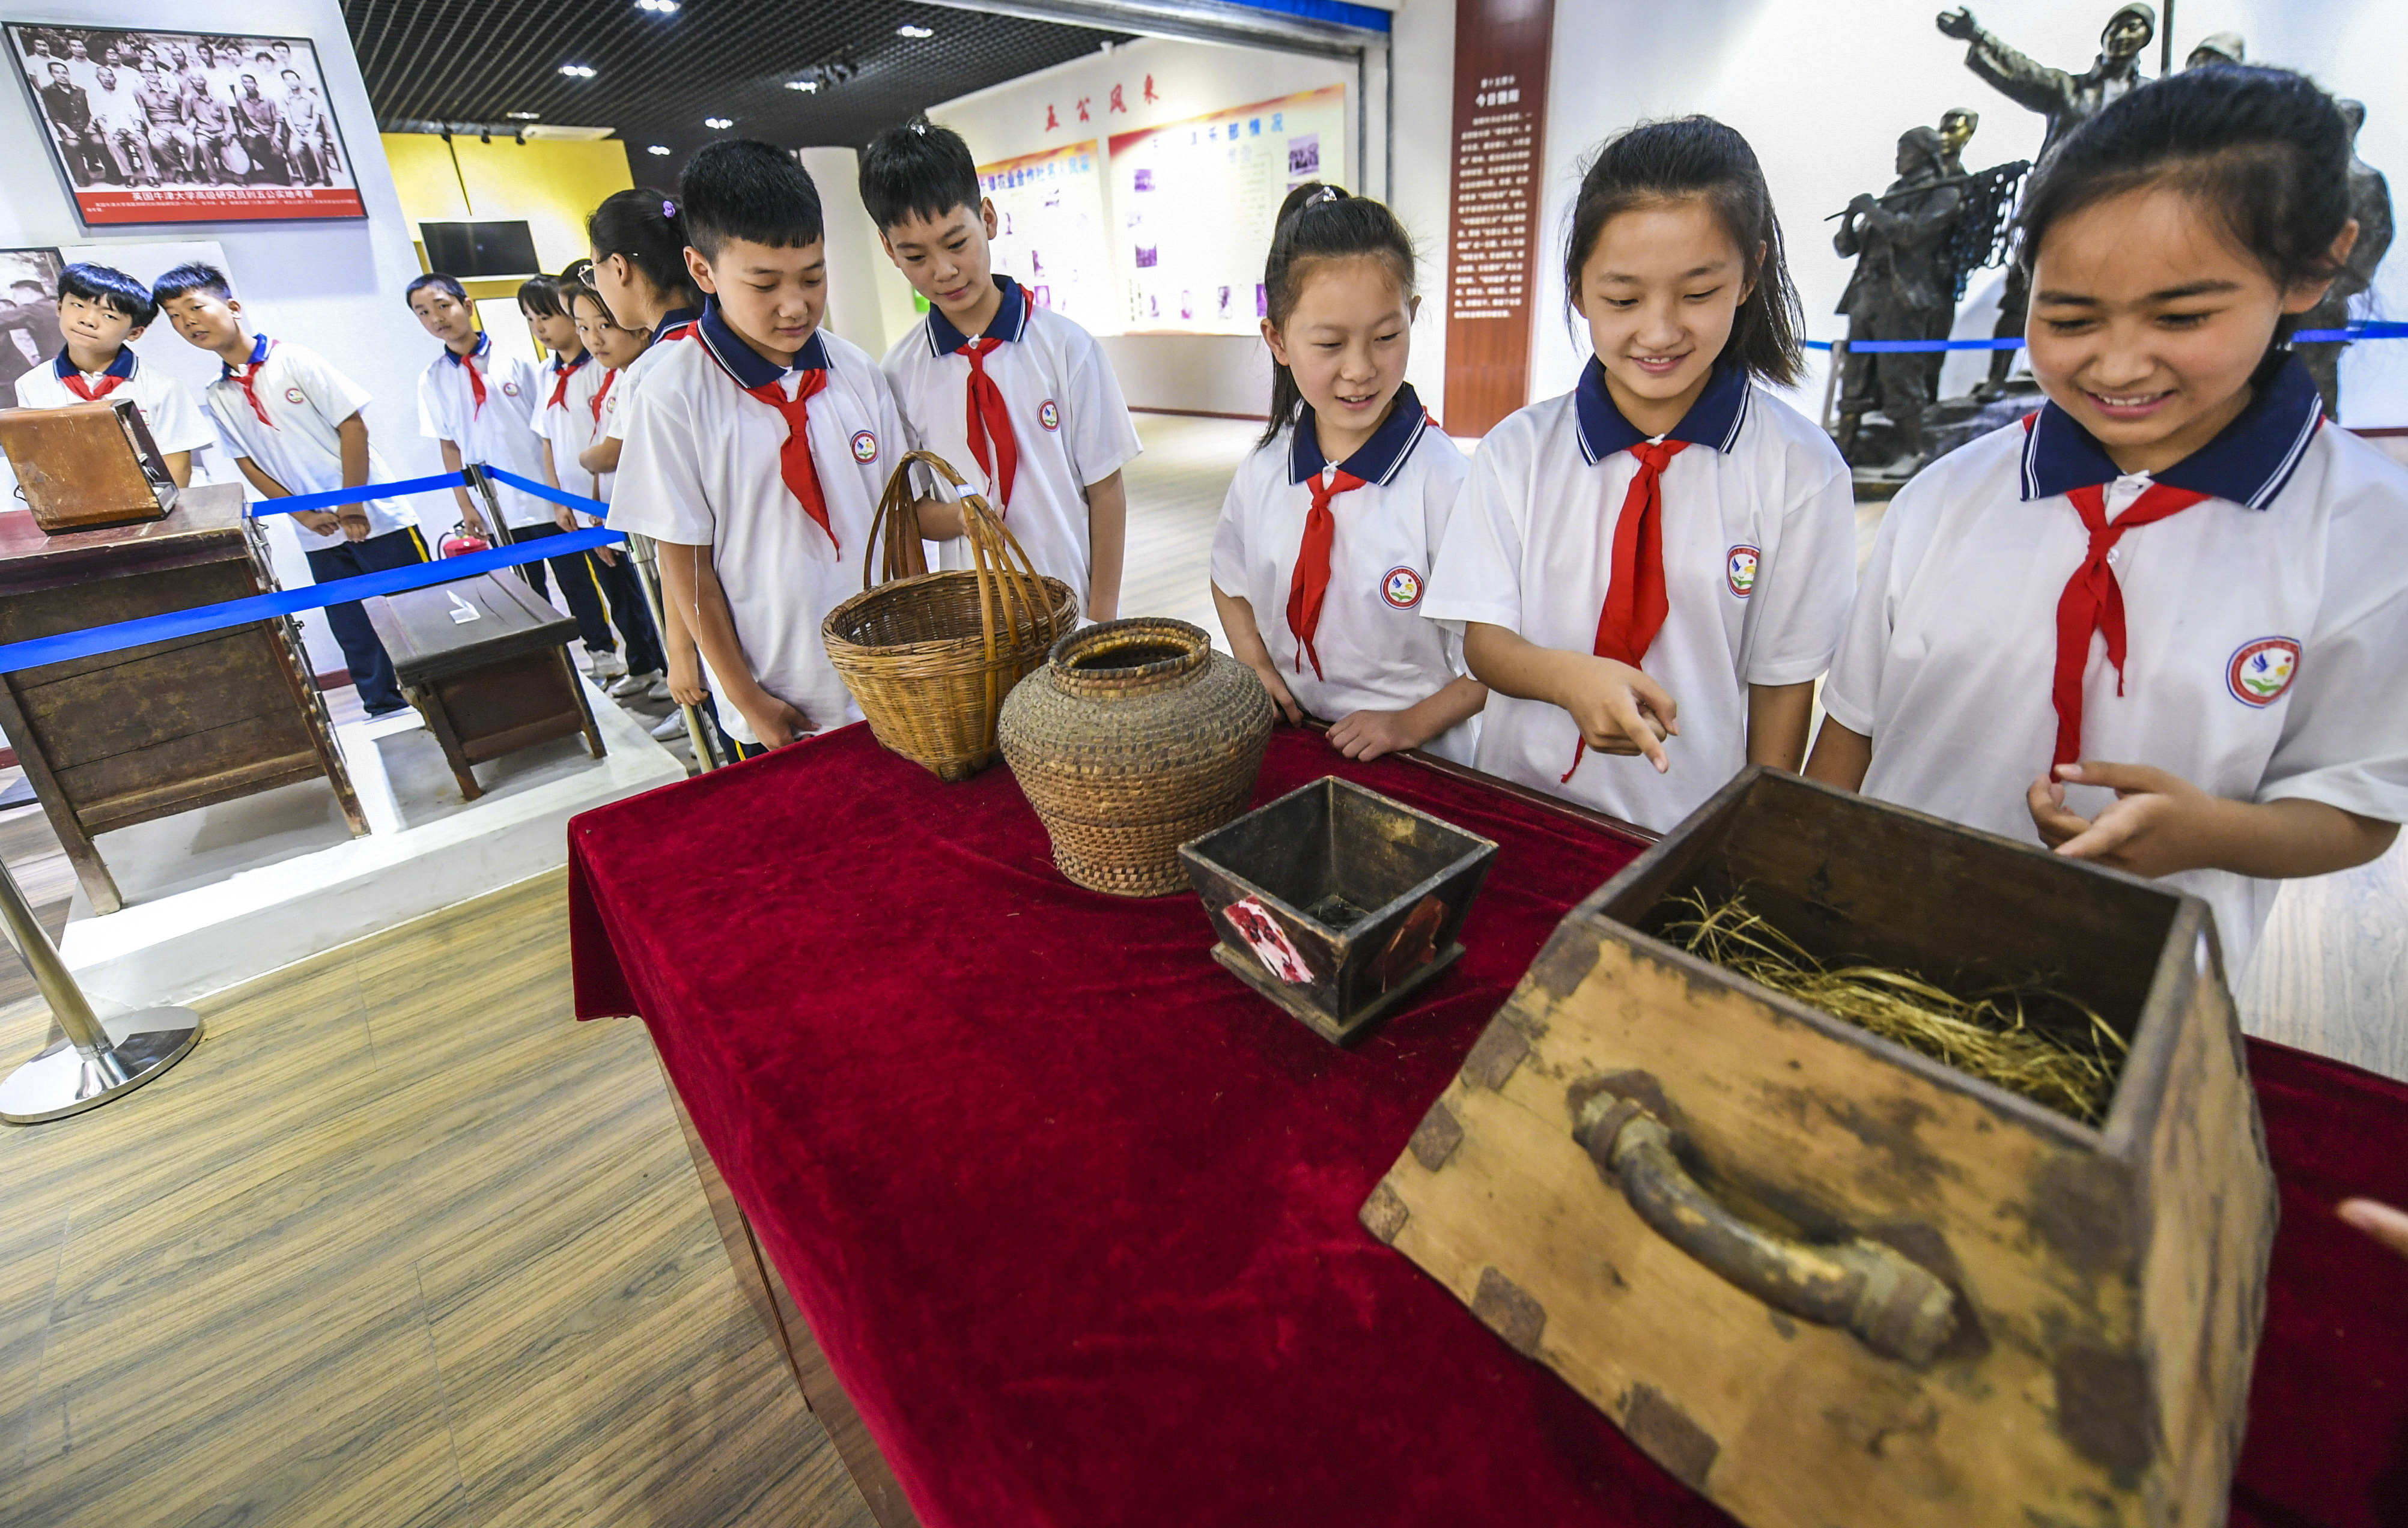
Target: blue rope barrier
pixel 118 636
pixel 545 490
pixel 329 498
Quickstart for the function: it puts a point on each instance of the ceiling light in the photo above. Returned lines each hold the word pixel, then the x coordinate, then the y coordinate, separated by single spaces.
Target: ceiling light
pixel 659 7
pixel 524 116
pixel 717 121
pixel 577 71
pixel 907 30
pixel 805 86
pixel 661 149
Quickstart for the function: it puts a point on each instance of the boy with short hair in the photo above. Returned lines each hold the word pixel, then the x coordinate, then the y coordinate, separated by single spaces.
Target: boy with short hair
pixel 294 425
pixel 756 453
pixel 994 383
pixel 102 311
pixel 478 405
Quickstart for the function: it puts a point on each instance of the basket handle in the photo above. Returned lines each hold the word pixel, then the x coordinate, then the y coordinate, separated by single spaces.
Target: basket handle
pixel 896 527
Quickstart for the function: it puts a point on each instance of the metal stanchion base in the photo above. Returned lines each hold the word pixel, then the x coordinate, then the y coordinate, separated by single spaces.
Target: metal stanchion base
pixel 62 1080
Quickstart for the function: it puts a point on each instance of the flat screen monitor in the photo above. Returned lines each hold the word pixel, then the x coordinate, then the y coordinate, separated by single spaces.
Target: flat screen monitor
pixel 471 250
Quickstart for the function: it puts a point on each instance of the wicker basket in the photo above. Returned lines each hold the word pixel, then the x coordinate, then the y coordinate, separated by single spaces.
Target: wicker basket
pixel 1134 738
pixel 931 656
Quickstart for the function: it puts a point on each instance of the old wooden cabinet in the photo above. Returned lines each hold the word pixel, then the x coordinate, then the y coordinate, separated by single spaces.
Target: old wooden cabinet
pixel 1819 1278
pixel 124 738
pixel 486 663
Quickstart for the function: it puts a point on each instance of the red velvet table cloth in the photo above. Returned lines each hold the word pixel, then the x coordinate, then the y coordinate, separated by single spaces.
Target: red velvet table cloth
pixel 1072 1211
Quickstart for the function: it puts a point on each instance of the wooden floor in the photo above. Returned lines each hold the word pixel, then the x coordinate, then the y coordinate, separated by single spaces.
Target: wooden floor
pixel 399 1242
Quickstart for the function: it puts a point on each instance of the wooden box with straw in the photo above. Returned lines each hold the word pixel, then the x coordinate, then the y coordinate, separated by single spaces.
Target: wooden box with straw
pixel 1869 1170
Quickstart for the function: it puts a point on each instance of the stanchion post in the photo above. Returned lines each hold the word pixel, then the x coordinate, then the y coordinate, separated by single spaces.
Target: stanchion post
pixel 1831 386
pixel 639 552
pixel 89 1068
pixel 483 484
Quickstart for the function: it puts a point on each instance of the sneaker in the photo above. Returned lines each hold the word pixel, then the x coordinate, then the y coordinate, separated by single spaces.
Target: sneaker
pixel 635 686
pixel 671 728
pixel 604 666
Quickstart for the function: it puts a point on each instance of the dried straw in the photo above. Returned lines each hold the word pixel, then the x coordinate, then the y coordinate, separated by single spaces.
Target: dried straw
pixel 1986 1037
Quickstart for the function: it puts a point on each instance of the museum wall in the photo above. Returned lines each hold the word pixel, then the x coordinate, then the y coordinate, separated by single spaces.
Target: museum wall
pixel 1201 373
pixel 1823 92
pixel 338 284
pixel 551 183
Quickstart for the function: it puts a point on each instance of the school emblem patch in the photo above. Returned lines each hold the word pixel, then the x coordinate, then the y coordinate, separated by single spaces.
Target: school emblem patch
pixel 865 447
pixel 294 394
pixel 1739 567
pixel 1401 587
pixel 2262 670
pixel 1048 415
pixel 510 390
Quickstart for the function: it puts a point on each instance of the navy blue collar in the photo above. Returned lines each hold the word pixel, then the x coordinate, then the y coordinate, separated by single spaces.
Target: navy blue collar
pixel 2247 462
pixel 484 343
pixel 741 361
pixel 583 357
pixel 1714 420
pixel 676 317
pixel 1010 321
pixel 1378 460
pixel 122 366
pixel 260 346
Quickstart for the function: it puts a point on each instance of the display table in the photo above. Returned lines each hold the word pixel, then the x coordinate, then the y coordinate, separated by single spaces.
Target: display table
pixel 1071 1211
pixel 126 738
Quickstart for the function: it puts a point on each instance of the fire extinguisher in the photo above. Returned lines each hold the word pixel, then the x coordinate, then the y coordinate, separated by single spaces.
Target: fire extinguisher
pixel 462 541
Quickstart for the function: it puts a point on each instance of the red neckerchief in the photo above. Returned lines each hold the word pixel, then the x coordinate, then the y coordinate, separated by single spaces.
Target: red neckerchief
pixel 72 378
pixel 560 388
pixel 990 420
pixel 1310 583
pixel 795 465
pixel 2093 601
pixel 601 392
pixel 476 383
pixel 246 376
pixel 1636 602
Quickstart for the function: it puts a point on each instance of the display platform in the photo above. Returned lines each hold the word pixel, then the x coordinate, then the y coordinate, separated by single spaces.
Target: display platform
pixel 1071 1211
pixel 234 889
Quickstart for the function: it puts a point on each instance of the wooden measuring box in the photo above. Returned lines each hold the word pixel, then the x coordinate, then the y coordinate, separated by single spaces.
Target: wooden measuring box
pixel 124 738
pixel 1820 1278
pixel 87 465
pixel 486 663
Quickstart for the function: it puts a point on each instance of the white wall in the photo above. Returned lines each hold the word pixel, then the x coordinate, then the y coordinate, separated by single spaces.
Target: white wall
pixel 1206 373
pixel 869 302
pixel 1823 91
pixel 335 286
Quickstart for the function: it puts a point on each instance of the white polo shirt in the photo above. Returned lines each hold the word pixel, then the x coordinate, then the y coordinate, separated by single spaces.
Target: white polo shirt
pixel 568 426
pixel 676 325
pixel 500 431
pixel 167 407
pixel 1069 422
pixel 1760 563
pixel 2265 629
pixel 1377 653
pixel 700 469
pixel 306 401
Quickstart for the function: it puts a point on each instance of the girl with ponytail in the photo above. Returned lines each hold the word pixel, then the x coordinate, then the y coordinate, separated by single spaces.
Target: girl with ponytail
pixel 1327 538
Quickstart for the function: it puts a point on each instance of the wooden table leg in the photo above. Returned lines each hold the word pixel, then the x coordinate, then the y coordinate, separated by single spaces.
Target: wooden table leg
pixel 99 886
pixel 429 698
pixel 584 707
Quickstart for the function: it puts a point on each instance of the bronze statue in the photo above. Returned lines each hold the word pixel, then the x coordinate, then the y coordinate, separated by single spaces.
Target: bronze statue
pixel 2370 199
pixel 1903 288
pixel 2067 100
pixel 2218 47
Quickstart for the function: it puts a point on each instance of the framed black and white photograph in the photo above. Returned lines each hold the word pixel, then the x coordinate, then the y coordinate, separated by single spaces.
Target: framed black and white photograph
pixel 187 126
pixel 29 314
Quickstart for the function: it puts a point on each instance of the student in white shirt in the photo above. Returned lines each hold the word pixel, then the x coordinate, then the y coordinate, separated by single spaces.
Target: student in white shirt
pixel 2158 624
pixel 1330 527
pixel 478 405
pixel 102 311
pixel 1652 569
pixel 640 272
pixel 294 426
pixel 1019 398
pixel 566 424
pixel 758 542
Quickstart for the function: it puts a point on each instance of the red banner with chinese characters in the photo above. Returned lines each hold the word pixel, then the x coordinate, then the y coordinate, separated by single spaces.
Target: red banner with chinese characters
pixel 1500 101
pixel 217 203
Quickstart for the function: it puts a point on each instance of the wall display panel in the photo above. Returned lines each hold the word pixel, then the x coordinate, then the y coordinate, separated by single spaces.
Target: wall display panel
pixel 187 127
pixel 1048 210
pixel 29 314
pixel 1195 201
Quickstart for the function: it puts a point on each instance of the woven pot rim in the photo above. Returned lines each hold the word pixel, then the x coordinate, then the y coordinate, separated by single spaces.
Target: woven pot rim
pixel 1061 664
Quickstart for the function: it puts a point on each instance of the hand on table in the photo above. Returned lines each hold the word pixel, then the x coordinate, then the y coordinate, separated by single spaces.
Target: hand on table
pixel 2154 827
pixel 1368 734
pixel 773 721
pixel 2381 1222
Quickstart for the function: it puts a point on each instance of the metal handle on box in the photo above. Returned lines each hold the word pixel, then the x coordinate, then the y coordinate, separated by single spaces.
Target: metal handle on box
pixel 1897 1307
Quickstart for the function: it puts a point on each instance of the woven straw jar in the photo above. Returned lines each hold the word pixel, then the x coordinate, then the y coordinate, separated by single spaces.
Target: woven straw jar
pixel 1134 738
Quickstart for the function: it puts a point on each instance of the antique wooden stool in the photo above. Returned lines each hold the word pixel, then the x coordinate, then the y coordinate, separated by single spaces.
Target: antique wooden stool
pixel 486 663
